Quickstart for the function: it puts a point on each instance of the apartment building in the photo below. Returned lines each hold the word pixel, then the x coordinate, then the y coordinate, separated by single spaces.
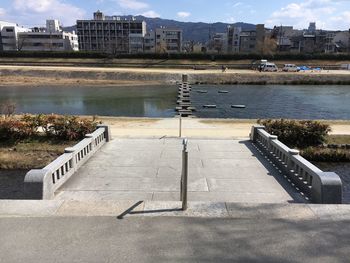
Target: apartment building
pixel 9 36
pixel 51 38
pixel 218 43
pixel 149 43
pixel 111 34
pixel 168 40
pixel 233 39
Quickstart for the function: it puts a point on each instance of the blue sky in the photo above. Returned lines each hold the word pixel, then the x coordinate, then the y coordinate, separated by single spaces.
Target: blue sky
pixel 329 14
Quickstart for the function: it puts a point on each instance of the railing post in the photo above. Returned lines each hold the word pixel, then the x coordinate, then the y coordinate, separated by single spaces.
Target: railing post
pixel 329 190
pixel 291 153
pixel 90 136
pixel 254 132
pixel 73 163
pixel 108 134
pixel 271 138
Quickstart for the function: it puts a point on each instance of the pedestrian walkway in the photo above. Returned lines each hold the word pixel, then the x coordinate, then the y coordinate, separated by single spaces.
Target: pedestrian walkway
pixel 150 170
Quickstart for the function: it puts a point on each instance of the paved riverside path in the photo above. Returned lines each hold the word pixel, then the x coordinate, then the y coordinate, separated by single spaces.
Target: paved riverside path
pixel 150 169
pixel 163 239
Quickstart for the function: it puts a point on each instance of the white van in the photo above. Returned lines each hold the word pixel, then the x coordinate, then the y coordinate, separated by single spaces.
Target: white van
pixel 270 67
pixel 290 68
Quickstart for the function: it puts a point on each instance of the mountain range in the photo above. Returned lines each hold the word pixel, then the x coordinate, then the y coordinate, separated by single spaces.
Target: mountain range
pixel 195 31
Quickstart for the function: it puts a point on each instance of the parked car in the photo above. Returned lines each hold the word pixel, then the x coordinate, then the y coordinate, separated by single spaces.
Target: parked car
pixel 290 68
pixel 270 67
pixel 258 65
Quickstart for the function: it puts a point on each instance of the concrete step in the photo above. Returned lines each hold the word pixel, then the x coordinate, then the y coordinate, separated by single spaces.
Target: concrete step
pixel 58 208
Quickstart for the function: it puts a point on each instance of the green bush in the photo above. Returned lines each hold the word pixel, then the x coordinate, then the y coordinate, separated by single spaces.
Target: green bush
pixel 299 134
pixel 52 126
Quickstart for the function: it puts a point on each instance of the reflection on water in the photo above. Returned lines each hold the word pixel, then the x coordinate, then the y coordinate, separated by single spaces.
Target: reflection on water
pixel 141 101
pixel 269 101
pixel 274 101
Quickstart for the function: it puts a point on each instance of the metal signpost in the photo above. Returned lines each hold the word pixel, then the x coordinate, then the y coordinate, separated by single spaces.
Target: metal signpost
pixel 184 175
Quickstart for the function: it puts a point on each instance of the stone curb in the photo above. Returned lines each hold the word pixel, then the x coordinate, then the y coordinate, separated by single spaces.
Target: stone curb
pixel 128 209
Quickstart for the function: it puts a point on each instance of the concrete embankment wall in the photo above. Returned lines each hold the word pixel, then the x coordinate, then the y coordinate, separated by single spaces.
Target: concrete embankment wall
pixel 200 77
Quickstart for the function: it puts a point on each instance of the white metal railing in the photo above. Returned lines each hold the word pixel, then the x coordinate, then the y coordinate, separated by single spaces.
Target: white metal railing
pixel 319 186
pixel 44 182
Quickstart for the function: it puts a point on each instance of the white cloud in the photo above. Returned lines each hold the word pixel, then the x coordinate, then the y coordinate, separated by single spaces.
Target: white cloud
pixel 151 14
pixel 2 12
pixel 132 4
pixel 231 20
pixel 183 14
pixel 326 13
pixel 37 11
pixel 237 4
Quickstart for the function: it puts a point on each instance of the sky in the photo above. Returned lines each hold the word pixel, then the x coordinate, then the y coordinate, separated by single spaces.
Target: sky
pixel 328 14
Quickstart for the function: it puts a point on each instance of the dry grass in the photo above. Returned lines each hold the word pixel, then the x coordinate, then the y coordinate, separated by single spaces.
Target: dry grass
pixel 30 155
pixel 228 121
pixel 18 80
pixel 338 139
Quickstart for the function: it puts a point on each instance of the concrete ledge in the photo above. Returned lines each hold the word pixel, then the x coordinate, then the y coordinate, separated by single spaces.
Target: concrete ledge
pixel 40 208
pixel 126 209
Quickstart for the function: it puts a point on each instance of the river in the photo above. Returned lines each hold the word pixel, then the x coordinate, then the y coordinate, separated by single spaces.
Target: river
pixel 261 101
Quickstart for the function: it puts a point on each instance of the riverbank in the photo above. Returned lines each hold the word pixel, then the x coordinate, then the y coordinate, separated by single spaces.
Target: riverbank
pixel 81 75
pixel 194 128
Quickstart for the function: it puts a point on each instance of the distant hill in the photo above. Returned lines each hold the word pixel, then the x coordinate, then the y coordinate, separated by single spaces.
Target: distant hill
pixel 196 31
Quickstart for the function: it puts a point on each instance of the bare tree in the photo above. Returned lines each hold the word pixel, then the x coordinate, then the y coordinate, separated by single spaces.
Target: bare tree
pixel 267 47
pixel 21 42
pixel 7 108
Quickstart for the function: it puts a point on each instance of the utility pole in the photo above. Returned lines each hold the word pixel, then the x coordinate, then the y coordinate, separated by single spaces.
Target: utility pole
pixel 280 39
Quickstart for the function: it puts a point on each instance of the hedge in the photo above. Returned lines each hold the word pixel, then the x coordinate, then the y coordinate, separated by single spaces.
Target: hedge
pixel 298 134
pixel 189 56
pixel 66 128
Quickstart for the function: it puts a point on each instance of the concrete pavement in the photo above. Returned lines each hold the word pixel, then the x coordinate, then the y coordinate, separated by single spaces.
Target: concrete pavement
pixel 150 169
pixel 167 239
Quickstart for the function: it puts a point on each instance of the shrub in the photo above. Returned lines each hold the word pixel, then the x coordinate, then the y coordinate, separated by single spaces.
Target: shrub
pixel 299 134
pixel 51 126
pixel 12 129
pixel 316 154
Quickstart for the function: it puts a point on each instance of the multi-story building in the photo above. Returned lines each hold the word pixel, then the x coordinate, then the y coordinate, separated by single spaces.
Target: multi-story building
pixel 111 34
pixel 168 40
pixel 260 39
pixel 247 42
pixel 337 42
pixel 149 43
pixel 51 38
pixel 233 39
pixel 218 43
pixel 9 36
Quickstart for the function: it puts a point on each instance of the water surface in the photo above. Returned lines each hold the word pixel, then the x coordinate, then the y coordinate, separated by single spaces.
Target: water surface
pixel 140 101
pixel 262 101
pixel 274 101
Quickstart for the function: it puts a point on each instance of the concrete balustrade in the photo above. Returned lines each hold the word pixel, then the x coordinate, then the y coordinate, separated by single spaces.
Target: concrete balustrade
pixel 43 183
pixel 319 186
